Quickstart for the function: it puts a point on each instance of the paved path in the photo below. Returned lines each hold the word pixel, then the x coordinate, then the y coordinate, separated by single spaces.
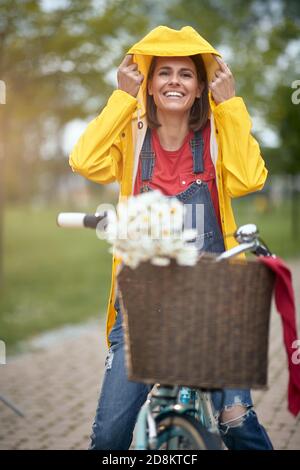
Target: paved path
pixel 56 385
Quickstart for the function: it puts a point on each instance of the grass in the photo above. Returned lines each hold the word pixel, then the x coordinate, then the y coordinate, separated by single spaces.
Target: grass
pixel 55 277
pixel 274 223
pixel 52 276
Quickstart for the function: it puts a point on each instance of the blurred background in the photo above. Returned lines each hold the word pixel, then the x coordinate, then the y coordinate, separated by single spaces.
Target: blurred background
pixel 58 61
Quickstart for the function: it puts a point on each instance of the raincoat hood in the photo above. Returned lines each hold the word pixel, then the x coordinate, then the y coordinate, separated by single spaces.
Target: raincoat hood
pixel 166 42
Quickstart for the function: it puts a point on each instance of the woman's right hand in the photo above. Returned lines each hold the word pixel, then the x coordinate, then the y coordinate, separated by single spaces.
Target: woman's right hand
pixel 129 77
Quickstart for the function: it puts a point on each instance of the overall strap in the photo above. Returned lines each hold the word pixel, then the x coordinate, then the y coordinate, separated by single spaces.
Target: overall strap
pixel 197 145
pixel 147 157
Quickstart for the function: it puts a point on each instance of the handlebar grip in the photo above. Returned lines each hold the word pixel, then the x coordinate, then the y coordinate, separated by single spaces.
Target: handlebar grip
pixel 79 219
pixel 92 220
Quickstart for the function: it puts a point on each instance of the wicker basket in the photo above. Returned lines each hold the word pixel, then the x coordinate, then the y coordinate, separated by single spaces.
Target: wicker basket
pixel 205 326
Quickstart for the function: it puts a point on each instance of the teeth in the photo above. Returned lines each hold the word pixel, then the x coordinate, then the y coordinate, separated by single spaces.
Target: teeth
pixel 173 93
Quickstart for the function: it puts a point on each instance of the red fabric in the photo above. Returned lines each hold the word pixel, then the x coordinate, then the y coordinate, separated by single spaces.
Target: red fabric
pixel 173 170
pixel 285 304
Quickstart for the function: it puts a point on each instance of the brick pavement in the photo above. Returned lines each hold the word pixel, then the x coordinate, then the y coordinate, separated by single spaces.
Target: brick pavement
pixel 56 385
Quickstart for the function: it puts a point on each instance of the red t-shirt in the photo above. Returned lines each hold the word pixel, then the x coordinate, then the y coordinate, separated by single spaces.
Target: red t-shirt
pixel 173 170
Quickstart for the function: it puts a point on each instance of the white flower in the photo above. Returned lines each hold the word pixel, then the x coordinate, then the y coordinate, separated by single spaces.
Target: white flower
pixel 189 234
pixel 150 227
pixel 160 261
pixel 187 256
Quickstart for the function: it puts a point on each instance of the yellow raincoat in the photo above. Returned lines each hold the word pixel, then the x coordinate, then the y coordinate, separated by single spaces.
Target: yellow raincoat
pixel 109 148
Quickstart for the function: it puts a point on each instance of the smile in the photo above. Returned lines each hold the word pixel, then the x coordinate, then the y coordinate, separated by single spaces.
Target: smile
pixel 173 94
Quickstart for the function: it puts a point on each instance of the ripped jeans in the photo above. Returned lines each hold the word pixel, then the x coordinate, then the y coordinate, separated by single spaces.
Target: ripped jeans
pixel 121 400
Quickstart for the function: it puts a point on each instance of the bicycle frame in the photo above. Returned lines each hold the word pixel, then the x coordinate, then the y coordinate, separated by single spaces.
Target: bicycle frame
pixel 167 399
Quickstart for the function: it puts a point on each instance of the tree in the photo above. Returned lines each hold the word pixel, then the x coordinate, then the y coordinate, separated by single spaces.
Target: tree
pixel 56 65
pixel 284 116
pixel 260 40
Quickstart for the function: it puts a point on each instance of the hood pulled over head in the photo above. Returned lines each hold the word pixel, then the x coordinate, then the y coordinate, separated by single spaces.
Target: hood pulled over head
pixel 166 42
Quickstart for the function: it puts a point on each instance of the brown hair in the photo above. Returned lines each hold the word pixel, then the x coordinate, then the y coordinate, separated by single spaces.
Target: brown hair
pixel 199 111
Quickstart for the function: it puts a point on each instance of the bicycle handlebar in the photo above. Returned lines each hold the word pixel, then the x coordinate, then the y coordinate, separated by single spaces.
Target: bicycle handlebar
pixel 79 220
pixel 247 235
pixel 248 238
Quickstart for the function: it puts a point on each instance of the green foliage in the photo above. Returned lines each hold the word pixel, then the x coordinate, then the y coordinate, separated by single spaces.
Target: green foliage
pixel 260 41
pixel 55 65
pixel 284 116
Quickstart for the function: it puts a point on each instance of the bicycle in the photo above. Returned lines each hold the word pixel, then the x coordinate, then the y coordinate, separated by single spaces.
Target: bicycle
pixel 177 417
pixel 182 418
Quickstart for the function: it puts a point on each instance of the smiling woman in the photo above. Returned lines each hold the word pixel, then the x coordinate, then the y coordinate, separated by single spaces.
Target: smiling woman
pixel 188 77
pixel 173 124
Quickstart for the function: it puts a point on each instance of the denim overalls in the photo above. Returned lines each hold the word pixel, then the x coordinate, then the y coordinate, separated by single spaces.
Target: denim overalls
pixel 121 399
pixel 199 205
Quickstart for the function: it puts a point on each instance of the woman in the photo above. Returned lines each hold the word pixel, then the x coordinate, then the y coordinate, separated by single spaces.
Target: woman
pixel 174 124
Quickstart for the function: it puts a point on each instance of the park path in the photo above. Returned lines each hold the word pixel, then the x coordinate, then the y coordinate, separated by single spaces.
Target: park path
pixel 56 385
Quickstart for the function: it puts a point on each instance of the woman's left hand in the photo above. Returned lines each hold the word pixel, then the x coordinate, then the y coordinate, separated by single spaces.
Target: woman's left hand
pixel 222 85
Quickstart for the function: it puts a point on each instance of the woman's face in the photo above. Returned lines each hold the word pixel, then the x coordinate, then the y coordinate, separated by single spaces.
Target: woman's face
pixel 174 85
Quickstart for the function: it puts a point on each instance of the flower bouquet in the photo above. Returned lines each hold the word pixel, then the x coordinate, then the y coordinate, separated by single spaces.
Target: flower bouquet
pixel 149 227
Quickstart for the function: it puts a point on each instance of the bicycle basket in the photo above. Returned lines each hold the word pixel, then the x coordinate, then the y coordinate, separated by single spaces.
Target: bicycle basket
pixel 203 326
